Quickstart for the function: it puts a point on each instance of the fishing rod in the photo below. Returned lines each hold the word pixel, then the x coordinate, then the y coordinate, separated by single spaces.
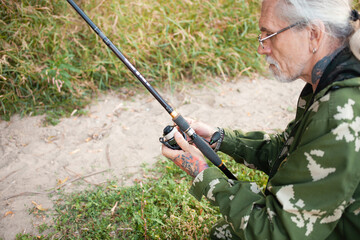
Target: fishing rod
pixel 176 117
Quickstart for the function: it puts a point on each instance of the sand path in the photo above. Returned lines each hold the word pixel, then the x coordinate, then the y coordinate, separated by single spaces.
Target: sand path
pixel 119 136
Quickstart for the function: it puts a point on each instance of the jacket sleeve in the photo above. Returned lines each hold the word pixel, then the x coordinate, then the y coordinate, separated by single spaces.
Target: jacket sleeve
pixel 257 150
pixel 307 196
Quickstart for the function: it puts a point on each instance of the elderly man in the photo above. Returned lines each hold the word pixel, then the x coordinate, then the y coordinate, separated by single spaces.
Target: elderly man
pixel 313 190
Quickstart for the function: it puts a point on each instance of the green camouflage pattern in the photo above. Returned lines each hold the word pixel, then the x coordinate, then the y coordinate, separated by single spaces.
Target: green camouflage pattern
pixel 313 190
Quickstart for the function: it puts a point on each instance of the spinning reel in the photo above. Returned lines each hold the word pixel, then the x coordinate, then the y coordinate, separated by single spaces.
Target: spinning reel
pixel 168 138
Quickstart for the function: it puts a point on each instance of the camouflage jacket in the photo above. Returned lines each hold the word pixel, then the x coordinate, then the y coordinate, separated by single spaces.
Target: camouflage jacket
pixel 313 190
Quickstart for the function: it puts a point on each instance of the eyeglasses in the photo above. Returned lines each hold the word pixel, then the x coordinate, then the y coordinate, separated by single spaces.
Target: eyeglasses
pixel 261 40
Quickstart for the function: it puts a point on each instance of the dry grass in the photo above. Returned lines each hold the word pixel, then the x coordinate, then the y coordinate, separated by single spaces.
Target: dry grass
pixel 51 61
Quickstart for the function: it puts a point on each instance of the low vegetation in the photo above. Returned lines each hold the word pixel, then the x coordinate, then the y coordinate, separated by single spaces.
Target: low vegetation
pixel 157 207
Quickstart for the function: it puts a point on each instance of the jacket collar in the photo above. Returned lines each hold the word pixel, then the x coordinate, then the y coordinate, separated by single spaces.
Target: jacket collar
pixel 338 66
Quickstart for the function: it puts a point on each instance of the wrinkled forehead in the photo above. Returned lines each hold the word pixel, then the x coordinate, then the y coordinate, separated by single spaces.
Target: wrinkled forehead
pixel 270 19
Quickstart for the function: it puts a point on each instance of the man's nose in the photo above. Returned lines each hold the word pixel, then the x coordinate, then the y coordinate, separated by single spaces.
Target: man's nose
pixel 266 50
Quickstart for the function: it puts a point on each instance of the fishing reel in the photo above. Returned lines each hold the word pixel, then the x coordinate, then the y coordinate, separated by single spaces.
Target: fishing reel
pixel 168 138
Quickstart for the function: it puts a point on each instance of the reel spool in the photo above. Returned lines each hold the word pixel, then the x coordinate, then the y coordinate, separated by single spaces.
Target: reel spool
pixel 168 138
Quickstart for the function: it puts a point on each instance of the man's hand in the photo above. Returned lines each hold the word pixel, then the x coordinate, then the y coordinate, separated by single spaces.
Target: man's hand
pixel 189 159
pixel 203 130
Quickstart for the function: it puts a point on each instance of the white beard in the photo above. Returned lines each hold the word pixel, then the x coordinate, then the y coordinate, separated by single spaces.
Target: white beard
pixel 279 75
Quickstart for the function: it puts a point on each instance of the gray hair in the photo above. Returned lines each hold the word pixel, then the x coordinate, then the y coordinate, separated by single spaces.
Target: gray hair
pixel 335 15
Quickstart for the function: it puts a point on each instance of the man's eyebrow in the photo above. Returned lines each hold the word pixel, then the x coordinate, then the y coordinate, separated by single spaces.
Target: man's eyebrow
pixel 264 29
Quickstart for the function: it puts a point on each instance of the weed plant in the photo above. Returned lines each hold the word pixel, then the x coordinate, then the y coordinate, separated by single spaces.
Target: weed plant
pixel 158 207
pixel 51 61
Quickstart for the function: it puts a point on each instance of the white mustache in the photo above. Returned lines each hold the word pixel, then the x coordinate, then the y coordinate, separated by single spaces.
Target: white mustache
pixel 270 60
pixel 279 75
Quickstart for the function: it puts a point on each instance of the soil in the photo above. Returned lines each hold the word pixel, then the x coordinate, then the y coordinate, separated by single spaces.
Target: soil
pixel 116 137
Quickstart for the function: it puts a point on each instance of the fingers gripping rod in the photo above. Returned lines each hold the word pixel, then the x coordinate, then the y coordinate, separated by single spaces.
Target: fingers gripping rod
pixel 177 118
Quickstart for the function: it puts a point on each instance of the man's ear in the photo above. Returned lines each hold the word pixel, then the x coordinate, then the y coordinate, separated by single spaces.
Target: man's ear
pixel 316 35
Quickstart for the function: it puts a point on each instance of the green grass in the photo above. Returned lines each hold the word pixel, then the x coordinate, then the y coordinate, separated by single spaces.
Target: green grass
pixel 158 207
pixel 51 61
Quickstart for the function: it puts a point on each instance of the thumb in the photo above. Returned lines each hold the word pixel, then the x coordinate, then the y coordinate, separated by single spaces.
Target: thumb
pixel 180 140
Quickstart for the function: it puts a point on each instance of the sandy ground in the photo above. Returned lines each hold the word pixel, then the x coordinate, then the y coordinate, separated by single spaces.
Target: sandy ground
pixel 116 138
